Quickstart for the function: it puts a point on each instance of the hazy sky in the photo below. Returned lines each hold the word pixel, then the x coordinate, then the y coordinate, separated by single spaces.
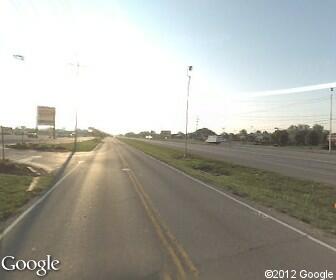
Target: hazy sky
pixel 135 53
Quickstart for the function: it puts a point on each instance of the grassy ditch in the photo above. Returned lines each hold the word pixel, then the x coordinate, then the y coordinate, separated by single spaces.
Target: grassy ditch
pixel 310 202
pixel 14 182
pixel 83 146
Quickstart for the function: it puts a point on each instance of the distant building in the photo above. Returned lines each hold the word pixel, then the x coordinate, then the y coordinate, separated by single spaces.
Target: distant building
pixel 165 134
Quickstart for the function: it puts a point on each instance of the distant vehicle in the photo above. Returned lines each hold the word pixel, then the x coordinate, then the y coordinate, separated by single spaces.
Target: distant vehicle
pixel 214 139
pixel 32 135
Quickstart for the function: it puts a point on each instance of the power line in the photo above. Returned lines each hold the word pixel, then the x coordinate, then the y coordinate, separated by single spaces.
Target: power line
pixel 289 117
pixel 318 100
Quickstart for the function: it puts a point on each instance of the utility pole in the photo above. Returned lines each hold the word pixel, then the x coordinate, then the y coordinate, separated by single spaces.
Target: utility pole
pixel 331 119
pixel 75 144
pixel 54 128
pixel 197 121
pixel 3 143
pixel 189 69
pixel 78 66
pixel 22 134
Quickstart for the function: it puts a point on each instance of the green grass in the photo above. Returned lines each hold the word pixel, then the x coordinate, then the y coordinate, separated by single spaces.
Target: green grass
pixel 13 193
pixel 83 146
pixel 308 201
pixel 15 178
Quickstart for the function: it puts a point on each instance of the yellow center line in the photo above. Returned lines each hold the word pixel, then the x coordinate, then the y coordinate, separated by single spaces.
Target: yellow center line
pixel 159 232
pixel 184 255
pixel 156 224
pixel 166 237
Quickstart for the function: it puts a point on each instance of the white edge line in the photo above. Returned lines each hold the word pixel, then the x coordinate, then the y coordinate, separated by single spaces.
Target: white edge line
pixel 246 205
pixel 26 212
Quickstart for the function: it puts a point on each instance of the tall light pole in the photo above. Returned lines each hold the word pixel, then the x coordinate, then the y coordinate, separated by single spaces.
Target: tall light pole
pixel 20 58
pixel 75 144
pixel 331 118
pixel 189 69
pixel 3 143
pixel 78 66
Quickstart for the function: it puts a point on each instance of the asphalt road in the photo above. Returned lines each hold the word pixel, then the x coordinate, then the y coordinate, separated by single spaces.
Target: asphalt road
pixel 119 214
pixel 303 164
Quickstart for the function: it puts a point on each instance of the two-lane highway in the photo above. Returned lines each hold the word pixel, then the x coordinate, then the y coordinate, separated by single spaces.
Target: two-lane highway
pixel 119 214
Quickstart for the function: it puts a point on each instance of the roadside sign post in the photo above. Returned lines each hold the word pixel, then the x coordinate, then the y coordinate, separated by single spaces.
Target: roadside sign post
pixel 2 143
pixel 46 116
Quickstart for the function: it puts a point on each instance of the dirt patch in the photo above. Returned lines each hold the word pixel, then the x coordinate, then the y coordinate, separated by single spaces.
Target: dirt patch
pixel 13 168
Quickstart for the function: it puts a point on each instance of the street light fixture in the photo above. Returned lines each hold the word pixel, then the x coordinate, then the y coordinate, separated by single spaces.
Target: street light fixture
pixel 19 57
pixel 189 69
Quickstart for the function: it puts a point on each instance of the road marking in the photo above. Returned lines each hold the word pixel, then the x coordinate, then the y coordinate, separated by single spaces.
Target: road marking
pixel 172 238
pixel 298 231
pixel 155 222
pixel 126 169
pixel 27 211
pixel 166 238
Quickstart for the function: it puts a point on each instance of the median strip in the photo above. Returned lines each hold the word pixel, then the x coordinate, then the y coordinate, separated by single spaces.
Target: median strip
pixel 310 202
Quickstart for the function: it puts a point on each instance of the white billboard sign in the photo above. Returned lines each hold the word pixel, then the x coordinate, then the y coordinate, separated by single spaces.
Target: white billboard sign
pixel 46 115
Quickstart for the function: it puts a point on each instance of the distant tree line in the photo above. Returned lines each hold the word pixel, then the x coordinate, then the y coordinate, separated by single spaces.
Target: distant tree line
pixel 300 135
